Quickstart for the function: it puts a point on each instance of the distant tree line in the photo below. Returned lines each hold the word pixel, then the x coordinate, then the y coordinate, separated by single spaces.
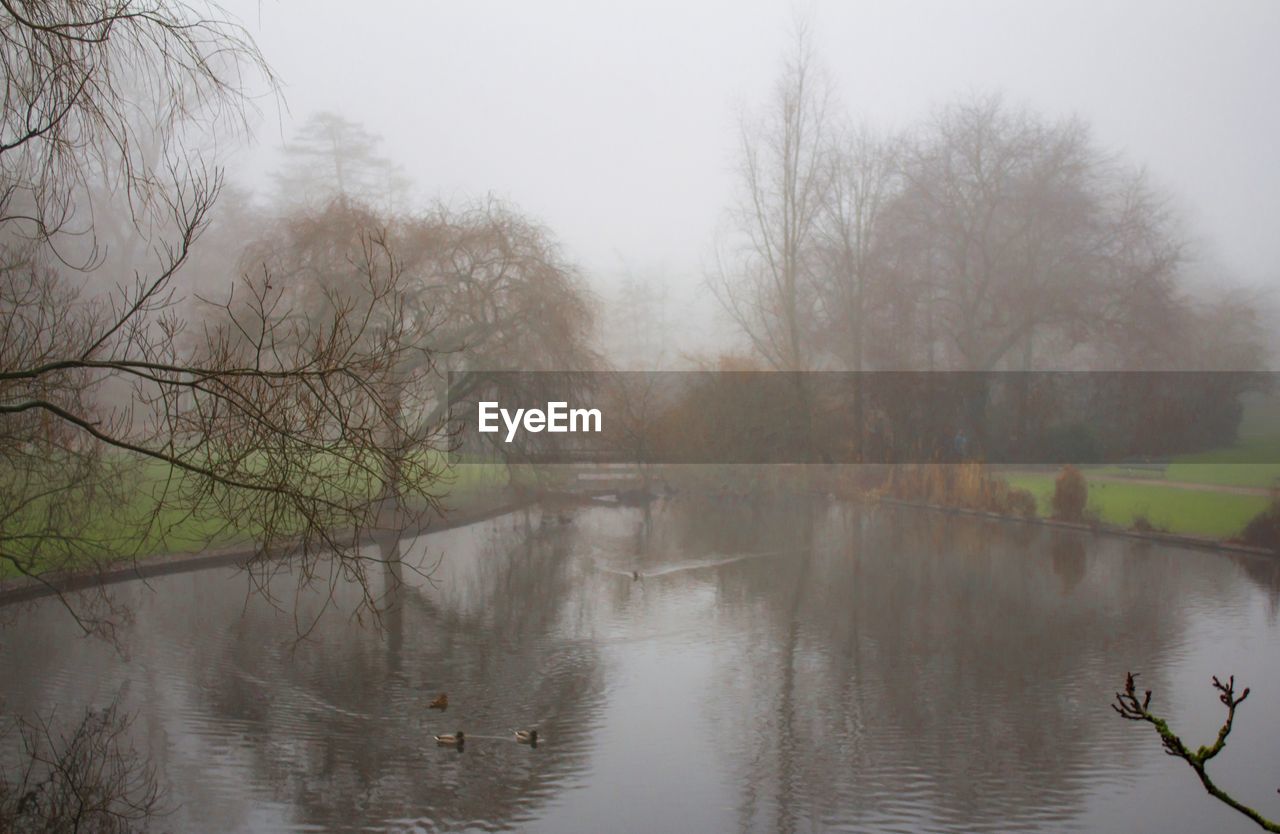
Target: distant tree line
pixel 986 238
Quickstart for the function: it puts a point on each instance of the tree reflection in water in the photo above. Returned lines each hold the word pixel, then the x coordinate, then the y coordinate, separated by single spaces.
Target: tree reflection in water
pixel 344 731
pixel 779 666
pixel 922 667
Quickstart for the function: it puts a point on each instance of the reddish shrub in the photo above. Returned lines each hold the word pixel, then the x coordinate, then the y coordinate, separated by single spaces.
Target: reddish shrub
pixel 1070 494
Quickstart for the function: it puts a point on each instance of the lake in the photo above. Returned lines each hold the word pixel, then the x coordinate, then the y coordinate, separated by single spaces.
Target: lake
pixel 778 666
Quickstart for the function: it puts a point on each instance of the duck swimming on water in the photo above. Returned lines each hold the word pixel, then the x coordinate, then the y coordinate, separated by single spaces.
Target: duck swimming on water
pixel 527 737
pixel 441 702
pixel 451 739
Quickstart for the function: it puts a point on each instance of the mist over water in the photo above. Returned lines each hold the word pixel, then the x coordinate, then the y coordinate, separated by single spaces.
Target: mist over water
pixel 779 666
pixel 919 363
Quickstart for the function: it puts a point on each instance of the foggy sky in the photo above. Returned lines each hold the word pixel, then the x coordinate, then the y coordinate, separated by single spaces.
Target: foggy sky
pixel 614 123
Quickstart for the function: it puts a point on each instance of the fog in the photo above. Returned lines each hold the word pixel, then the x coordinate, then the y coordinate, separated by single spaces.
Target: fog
pixel 616 125
pixel 788 416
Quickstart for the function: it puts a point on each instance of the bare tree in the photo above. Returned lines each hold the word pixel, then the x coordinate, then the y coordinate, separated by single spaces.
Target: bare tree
pixel 322 264
pixel 488 286
pixel 1006 214
pixel 853 267
pixel 1133 707
pixel 509 299
pixel 763 277
pixel 639 326
pixel 764 274
pixel 865 179
pixel 254 422
pixel 84 778
pixel 1230 331
pixel 77 74
pixel 1144 310
pixel 333 158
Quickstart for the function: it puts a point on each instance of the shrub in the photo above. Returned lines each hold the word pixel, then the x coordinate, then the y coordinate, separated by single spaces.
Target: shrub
pixel 84 777
pixel 971 487
pixel 1264 529
pixel 968 485
pixel 1142 524
pixel 1022 503
pixel 1070 494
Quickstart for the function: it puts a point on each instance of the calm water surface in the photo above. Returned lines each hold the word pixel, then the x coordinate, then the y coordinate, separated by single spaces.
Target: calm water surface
pixel 778 667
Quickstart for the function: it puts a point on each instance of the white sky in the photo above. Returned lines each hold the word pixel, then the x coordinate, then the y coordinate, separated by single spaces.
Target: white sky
pixel 613 122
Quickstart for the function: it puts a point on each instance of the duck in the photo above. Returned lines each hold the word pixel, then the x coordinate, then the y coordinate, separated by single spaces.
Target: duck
pixel 635 575
pixel 442 702
pixel 451 739
pixel 527 736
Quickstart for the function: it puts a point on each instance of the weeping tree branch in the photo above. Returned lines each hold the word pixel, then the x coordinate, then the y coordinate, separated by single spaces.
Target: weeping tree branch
pixel 292 429
pixel 120 420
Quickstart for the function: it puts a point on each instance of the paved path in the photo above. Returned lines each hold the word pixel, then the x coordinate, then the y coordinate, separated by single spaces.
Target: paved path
pixel 1226 488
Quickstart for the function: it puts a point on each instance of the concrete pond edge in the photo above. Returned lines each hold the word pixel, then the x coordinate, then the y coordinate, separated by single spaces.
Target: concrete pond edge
pixel 23 589
pixel 1161 537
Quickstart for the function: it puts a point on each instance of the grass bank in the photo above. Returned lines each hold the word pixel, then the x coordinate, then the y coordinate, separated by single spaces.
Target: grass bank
pixel 1165 495
pixel 1193 512
pixel 142 510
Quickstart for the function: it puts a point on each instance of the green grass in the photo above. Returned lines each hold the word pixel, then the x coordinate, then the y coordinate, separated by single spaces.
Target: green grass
pixel 1262 475
pixel 1190 469
pixel 1193 512
pixel 144 516
pixel 1237 465
pixel 465 482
